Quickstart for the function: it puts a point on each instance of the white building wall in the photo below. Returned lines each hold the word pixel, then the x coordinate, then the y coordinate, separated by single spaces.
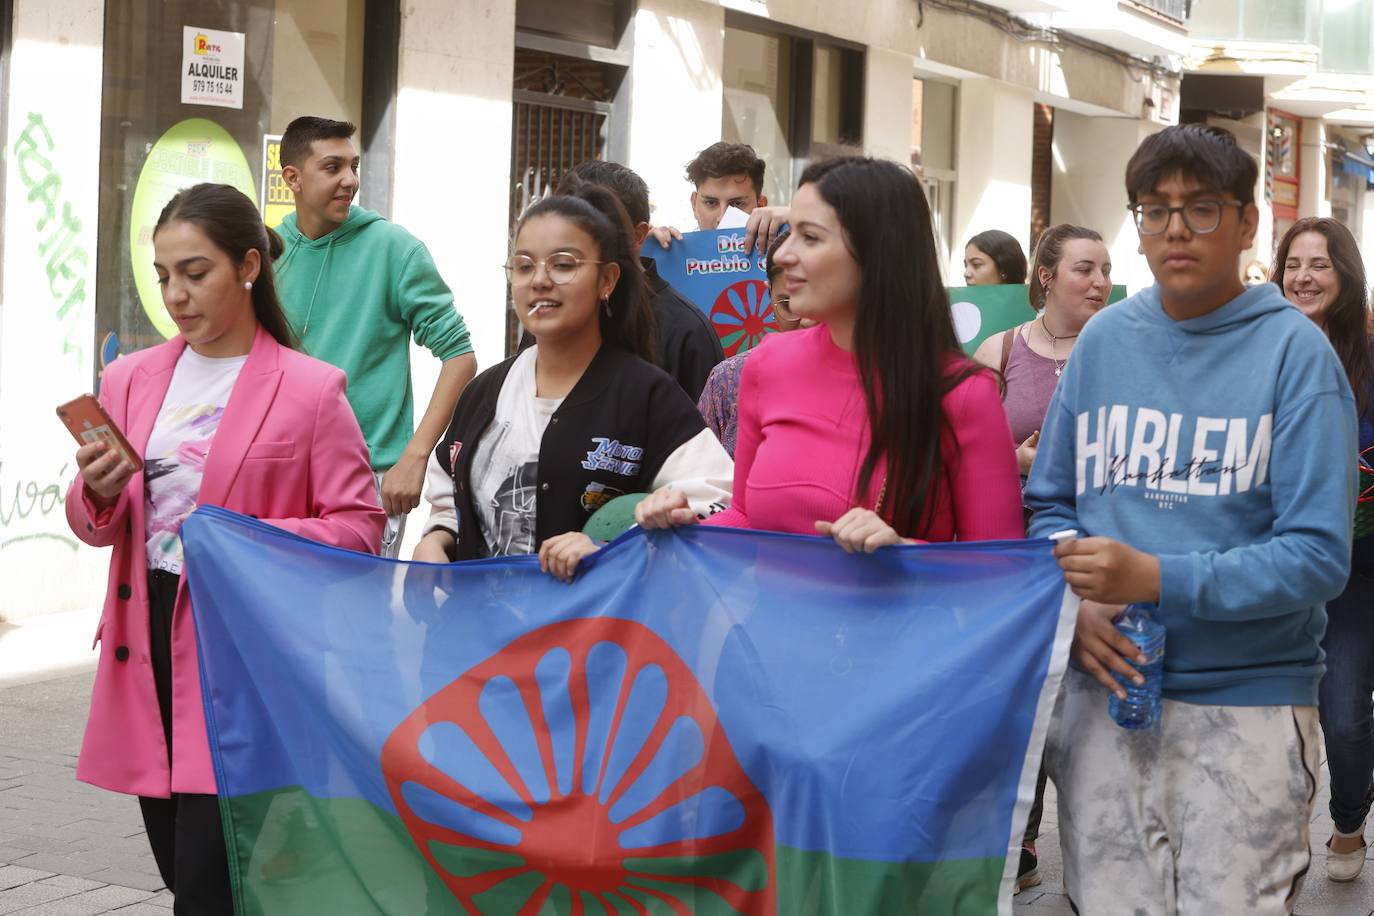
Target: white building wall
pixel 453 121
pixel 47 313
pixel 1312 187
pixel 992 190
pixel 887 105
pixel 1089 187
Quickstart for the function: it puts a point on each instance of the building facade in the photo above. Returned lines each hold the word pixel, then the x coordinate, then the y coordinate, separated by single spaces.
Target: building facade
pixel 1015 114
pixel 1295 80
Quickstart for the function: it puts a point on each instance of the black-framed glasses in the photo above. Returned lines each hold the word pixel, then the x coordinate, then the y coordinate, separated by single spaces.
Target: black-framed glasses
pixel 561 268
pixel 1200 216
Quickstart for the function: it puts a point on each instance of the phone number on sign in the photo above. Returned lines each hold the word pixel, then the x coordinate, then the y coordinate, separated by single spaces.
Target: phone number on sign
pixel 213 87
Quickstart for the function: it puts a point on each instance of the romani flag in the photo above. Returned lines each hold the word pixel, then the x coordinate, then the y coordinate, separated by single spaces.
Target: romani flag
pixel 706 721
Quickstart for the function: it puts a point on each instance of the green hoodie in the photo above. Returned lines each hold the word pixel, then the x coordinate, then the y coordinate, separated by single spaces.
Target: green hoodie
pixel 354 297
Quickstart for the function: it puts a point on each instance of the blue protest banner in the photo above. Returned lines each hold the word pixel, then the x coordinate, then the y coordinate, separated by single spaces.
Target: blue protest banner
pixel 715 273
pixel 706 721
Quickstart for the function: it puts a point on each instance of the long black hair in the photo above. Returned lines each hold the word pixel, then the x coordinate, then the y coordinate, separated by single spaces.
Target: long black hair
pixel 904 338
pixel 232 222
pixel 597 211
pixel 1347 319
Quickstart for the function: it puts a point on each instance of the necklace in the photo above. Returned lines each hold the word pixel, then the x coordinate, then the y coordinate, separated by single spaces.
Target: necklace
pixel 1054 346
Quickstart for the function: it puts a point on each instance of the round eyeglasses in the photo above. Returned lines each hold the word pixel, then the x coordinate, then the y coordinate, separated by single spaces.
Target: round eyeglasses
pixel 561 268
pixel 1200 216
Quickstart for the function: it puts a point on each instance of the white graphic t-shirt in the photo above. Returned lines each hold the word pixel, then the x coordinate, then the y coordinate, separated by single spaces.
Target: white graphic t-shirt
pixel 177 449
pixel 505 467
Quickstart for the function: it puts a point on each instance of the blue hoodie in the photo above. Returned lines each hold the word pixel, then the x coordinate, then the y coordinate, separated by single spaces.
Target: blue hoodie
pixel 1225 445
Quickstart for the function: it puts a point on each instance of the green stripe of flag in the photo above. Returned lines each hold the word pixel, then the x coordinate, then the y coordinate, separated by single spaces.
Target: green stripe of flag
pixel 295 855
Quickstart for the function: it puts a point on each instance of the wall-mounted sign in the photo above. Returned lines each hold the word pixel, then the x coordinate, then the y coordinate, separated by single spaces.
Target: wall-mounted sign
pixel 276 200
pixel 1282 166
pixel 211 67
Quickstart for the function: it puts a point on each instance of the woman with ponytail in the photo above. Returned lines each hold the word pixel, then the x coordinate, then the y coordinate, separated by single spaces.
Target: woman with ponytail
pixel 872 427
pixel 541 441
pixel 227 413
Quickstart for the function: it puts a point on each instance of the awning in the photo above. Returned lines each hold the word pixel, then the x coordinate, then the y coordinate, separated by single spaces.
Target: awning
pixel 1356 162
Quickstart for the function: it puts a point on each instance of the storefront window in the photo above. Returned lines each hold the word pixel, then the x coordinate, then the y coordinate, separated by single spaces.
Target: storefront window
pixel 192 89
pixel 792 98
pixel 836 106
pixel 932 151
pixel 758 102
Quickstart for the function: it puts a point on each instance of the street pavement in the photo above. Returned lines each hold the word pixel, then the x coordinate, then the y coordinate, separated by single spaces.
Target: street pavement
pixel 67 849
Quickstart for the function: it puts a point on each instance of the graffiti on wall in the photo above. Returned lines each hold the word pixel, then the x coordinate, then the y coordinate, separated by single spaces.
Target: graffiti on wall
pixel 65 259
pixel 24 499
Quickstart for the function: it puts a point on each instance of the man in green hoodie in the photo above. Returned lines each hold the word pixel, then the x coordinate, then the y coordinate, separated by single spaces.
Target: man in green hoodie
pixel 356 288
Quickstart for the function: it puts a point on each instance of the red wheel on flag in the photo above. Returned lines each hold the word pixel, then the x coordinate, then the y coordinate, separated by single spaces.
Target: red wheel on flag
pixel 742 314
pixel 582 768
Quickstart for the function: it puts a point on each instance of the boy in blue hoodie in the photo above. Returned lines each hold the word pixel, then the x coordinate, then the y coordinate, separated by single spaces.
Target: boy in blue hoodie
pixel 356 288
pixel 1201 443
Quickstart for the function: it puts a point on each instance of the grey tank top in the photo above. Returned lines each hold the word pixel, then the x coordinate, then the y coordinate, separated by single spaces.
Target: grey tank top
pixel 1030 380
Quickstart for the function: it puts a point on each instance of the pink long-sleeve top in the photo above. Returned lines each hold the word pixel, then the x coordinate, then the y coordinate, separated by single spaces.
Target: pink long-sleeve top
pixel 803 432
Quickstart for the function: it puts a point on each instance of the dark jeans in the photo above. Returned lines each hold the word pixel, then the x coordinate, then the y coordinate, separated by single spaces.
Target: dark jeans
pixel 184 830
pixel 1347 711
pixel 1037 811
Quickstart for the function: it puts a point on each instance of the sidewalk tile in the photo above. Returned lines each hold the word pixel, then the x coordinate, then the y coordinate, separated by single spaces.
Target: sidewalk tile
pixel 76 885
pixel 129 877
pixel 30 895
pixel 15 875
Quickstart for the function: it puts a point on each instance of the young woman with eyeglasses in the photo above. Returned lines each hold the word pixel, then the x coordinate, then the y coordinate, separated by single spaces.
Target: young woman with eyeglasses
pixel 541 441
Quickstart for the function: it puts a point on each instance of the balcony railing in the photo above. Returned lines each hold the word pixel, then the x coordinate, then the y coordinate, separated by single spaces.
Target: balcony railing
pixel 1342 29
pixel 1177 10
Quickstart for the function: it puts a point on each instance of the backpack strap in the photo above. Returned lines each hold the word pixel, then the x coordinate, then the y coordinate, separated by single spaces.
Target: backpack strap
pixel 1008 338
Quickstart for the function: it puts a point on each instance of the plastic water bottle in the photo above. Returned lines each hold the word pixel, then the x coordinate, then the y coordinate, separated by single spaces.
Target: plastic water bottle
pixel 1141 708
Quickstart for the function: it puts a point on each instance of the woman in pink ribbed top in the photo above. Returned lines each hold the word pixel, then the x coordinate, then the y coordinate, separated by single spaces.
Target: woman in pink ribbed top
pixel 941 466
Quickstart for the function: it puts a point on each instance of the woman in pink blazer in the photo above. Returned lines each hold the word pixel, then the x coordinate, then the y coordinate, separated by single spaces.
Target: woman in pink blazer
pixel 225 414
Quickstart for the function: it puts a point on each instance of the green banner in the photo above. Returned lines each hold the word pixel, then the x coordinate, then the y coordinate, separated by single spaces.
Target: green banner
pixel 981 311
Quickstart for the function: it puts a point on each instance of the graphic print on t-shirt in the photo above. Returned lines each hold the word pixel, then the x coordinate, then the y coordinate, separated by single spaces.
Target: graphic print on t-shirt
pixel 513 512
pixel 173 469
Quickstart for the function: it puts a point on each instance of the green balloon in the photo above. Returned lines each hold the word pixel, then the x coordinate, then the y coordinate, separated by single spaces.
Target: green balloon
pixel 613 519
pixel 190 152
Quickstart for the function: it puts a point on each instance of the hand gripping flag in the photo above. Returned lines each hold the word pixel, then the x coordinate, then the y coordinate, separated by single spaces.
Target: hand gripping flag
pixel 706 721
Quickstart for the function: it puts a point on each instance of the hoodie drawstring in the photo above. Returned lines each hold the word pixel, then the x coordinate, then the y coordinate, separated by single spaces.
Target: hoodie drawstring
pixel 328 253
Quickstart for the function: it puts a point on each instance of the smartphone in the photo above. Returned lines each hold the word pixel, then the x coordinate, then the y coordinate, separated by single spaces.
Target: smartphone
pixel 89 422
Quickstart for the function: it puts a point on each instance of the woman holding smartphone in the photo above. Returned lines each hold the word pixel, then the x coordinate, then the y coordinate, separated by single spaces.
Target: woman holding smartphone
pixel 229 414
pixel 904 436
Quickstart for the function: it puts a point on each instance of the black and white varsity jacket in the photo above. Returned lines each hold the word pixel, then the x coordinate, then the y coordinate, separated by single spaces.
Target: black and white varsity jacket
pixel 626 427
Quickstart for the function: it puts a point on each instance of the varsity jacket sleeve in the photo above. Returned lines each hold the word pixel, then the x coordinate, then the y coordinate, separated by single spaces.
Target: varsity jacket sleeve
pixel 700 468
pixel 439 494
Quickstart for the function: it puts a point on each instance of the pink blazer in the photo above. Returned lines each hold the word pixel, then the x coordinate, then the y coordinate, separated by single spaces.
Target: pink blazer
pixel 289 451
